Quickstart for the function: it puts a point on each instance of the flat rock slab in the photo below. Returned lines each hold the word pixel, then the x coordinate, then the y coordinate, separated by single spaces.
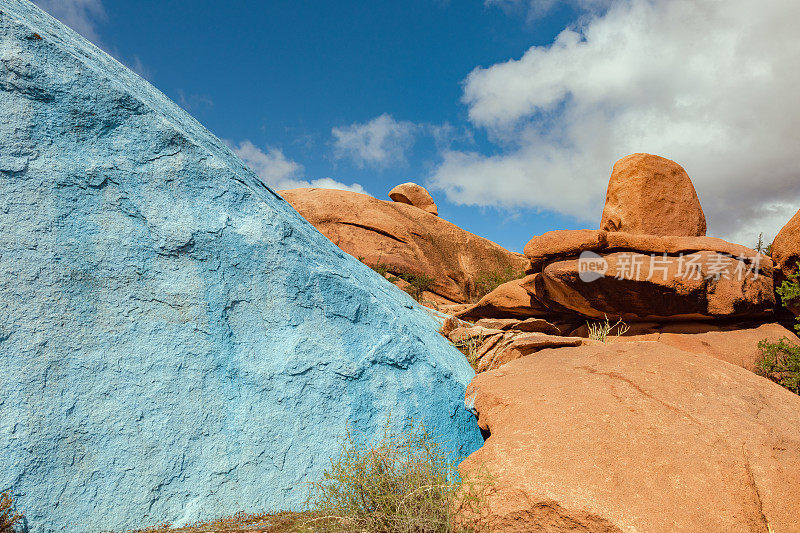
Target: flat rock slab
pixel 636 436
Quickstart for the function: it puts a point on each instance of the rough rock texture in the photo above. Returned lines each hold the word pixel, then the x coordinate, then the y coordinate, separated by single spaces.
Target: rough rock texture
pixel 560 244
pixel 636 437
pixel 492 348
pixel 786 246
pixel 509 300
pixel 652 195
pixel 405 239
pixel 653 294
pixel 416 195
pixel 738 346
pixel 176 342
pixel 648 277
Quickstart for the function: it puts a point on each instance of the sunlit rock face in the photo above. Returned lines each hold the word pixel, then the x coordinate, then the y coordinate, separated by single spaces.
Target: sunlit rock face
pixel 176 342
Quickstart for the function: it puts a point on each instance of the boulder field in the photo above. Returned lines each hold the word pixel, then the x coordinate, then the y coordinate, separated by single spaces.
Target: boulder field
pixel 176 342
pixel 662 425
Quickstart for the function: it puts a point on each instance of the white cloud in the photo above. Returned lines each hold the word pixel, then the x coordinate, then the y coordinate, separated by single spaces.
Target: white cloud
pixel 280 173
pixel 80 15
pixel 378 143
pixel 538 8
pixel 710 84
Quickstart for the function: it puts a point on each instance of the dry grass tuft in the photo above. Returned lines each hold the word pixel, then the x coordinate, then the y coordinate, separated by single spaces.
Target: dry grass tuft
pixel 403 484
pixel 8 519
pixel 600 331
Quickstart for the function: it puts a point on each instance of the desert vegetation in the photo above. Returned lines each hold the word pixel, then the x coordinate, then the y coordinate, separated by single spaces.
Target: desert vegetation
pixel 486 282
pixel 780 362
pixel 469 347
pixel 9 520
pixel 600 331
pixel 417 283
pixel 404 483
pixel 789 291
pixel 762 247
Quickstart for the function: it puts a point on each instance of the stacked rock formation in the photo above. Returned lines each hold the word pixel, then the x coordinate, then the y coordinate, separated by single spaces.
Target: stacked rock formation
pixel 664 429
pixel 405 237
pixel 176 342
pixel 672 278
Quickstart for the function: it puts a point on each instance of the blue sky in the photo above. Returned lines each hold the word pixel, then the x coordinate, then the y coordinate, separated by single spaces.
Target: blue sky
pixel 511 112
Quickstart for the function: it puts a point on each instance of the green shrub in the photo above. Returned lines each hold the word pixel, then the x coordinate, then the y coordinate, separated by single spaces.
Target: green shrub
pixel 417 284
pixel 486 282
pixel 403 484
pixel 780 362
pixel 8 519
pixel 789 291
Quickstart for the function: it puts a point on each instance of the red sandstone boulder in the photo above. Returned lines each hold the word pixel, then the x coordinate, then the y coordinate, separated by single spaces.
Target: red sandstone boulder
pixel 404 239
pixel 648 277
pixel 738 347
pixel 413 194
pixel 668 290
pixel 635 436
pixel 509 300
pixel 652 195
pixel 786 246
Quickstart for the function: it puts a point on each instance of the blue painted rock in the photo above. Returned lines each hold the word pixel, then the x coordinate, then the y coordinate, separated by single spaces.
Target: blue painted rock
pixel 176 342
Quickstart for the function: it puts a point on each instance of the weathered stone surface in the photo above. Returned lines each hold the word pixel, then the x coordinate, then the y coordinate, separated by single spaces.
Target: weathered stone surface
pixel 566 244
pixel 416 195
pixel 562 243
pixel 514 345
pixel 635 287
pixel 536 325
pixel 465 333
pixel 405 239
pixel 509 300
pixel 652 195
pixel 529 325
pixel 636 436
pixel 649 277
pixel 498 323
pixel 176 342
pixel 786 247
pixel 738 346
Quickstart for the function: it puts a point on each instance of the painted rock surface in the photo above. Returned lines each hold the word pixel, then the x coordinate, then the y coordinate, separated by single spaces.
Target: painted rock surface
pixel 176 342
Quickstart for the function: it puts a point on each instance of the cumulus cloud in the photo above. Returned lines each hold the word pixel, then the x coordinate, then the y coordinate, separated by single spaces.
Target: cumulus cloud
pixel 381 142
pixel 279 172
pixel 80 15
pixel 709 84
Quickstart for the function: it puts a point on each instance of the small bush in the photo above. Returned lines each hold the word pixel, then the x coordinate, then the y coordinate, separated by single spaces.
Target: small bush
pixel 789 291
pixel 599 331
pixel 417 284
pixel 8 519
pixel 470 347
pixel 780 362
pixel 762 248
pixel 486 282
pixel 403 484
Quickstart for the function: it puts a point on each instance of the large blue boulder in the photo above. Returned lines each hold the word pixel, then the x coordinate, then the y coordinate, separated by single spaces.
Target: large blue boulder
pixel 176 342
